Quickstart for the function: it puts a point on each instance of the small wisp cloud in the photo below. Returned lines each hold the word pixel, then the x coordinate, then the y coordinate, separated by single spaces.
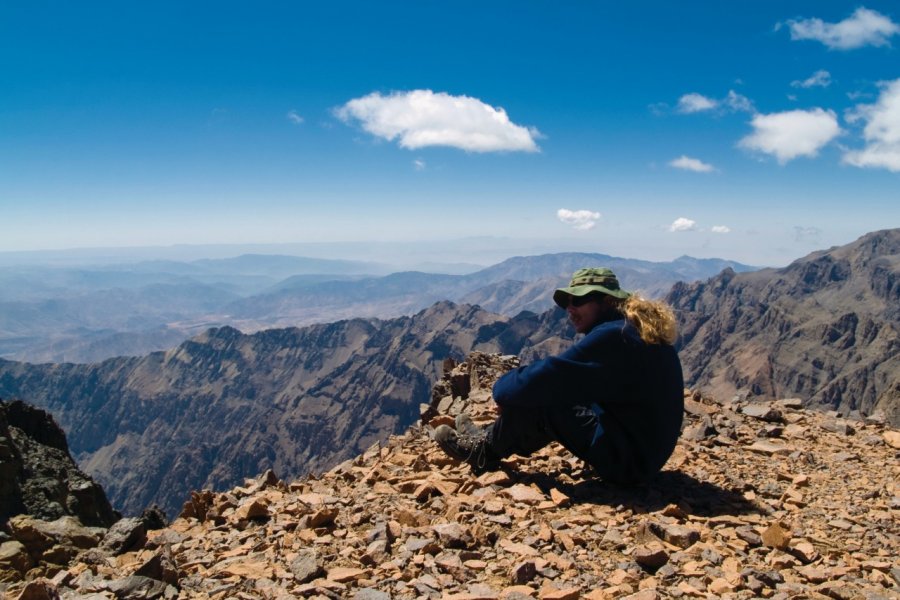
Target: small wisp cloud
pixel 691 164
pixel 294 117
pixel 820 78
pixel 738 102
pixel 683 224
pixel 422 118
pixel 694 102
pixel 582 220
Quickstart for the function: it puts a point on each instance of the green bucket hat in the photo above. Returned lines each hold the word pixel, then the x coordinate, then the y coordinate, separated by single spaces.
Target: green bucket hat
pixel 590 280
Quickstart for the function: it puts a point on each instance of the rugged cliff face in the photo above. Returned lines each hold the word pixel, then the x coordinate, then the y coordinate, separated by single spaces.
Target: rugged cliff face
pixel 37 474
pixel 225 406
pixel 825 329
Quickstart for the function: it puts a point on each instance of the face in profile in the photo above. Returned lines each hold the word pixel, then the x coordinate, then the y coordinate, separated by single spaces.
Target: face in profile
pixel 585 312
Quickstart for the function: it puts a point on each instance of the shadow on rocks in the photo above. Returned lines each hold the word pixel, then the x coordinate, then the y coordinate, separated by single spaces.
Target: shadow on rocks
pixel 699 498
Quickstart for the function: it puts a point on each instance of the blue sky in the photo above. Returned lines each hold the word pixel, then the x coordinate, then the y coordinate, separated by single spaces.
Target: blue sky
pixel 639 129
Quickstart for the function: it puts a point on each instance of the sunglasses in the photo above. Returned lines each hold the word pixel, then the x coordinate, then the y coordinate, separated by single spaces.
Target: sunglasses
pixel 577 301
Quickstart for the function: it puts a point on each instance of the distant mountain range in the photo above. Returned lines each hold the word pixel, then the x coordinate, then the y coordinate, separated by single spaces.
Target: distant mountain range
pixel 90 314
pixel 226 405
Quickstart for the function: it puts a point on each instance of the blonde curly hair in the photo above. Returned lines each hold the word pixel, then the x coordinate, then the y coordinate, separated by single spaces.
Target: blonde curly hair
pixel 654 320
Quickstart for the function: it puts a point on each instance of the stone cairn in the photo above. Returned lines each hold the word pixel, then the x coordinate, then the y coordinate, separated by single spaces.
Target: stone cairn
pixel 758 501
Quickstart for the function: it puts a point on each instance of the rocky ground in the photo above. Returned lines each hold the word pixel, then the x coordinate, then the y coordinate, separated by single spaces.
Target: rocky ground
pixel 759 500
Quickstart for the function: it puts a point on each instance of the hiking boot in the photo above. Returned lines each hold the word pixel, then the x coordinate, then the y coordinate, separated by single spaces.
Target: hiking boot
pixel 467 448
pixel 465 426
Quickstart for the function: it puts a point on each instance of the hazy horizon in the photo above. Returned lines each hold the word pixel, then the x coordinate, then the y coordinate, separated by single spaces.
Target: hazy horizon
pixel 474 253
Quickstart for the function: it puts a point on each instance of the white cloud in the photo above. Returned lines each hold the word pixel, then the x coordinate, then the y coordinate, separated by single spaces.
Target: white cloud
pixel 693 102
pixel 419 164
pixel 820 78
pixel 422 118
pixel 887 158
pixel 683 224
pixel 720 229
pixel 737 102
pixel 691 164
pixel 864 27
pixel 787 135
pixel 294 117
pixel 882 131
pixel 582 220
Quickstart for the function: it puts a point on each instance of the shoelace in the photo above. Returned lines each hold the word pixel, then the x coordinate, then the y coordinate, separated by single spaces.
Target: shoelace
pixel 475 447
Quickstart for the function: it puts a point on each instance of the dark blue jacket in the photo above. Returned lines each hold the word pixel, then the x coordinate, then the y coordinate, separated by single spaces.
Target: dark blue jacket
pixel 639 387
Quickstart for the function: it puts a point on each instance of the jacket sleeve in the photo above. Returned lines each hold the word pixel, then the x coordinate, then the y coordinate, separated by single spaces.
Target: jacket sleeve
pixel 585 372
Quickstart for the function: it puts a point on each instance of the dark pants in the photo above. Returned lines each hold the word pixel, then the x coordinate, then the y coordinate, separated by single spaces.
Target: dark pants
pixel 579 429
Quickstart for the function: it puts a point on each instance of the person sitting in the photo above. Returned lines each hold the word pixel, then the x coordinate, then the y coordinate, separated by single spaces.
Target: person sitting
pixel 614 399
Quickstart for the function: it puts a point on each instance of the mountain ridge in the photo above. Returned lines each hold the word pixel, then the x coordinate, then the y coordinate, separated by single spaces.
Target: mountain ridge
pixel 824 328
pixel 225 405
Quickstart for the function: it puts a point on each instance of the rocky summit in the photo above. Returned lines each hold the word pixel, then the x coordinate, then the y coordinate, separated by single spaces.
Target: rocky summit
pixel 761 500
